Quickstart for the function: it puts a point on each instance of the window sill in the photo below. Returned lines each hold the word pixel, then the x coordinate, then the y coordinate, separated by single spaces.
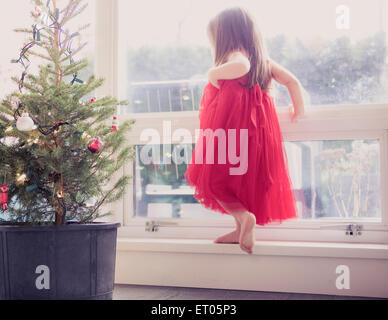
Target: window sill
pixel 262 248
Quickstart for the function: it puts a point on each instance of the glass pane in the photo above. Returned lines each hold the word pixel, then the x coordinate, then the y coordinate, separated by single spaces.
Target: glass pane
pixel 161 190
pixel 331 180
pixel 336 179
pixel 165 96
pixel 17 14
pixel 338 49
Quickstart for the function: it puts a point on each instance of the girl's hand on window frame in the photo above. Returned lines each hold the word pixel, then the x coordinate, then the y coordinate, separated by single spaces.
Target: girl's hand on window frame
pixel 294 115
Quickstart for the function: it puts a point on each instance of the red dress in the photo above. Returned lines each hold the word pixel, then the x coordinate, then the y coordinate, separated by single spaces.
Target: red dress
pixel 243 165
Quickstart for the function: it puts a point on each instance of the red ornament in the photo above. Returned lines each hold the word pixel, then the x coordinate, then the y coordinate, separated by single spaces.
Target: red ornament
pixel 4 197
pixel 115 124
pixel 92 100
pixel 95 145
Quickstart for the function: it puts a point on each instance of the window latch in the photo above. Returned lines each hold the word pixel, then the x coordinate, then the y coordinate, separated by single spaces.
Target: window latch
pixel 354 230
pixel 154 226
pixel 350 229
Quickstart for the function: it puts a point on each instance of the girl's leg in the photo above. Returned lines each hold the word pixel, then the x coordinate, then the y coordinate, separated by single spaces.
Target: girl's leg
pixel 245 227
pixel 244 233
pixel 247 233
pixel 232 237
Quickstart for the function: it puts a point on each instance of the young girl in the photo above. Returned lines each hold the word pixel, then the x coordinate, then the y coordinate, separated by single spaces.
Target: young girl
pixel 237 98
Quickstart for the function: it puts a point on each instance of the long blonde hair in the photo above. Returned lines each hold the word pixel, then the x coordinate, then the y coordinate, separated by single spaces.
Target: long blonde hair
pixel 234 29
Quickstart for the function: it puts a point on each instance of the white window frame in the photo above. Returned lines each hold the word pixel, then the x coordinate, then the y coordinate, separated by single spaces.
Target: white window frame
pixel 320 123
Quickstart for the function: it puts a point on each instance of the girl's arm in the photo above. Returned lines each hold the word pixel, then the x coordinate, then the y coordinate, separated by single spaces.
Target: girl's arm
pixel 237 66
pixel 286 78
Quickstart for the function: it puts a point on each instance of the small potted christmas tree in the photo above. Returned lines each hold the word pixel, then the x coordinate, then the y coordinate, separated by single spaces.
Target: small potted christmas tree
pixel 59 154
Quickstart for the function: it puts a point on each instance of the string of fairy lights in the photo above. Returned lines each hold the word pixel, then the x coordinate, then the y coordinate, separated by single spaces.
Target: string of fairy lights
pixel 25 123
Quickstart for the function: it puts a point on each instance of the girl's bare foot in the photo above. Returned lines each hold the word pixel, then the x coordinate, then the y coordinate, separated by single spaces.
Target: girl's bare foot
pixel 232 237
pixel 247 234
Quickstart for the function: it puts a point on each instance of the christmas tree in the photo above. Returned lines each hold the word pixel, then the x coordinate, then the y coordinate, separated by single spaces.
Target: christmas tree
pixel 59 150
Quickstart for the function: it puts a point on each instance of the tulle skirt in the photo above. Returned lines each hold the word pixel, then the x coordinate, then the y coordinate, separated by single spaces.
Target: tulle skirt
pixel 239 162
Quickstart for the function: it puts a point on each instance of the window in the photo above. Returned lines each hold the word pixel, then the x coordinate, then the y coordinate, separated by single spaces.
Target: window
pixel 161 189
pixel 168 96
pixel 337 155
pixel 338 58
pixel 337 179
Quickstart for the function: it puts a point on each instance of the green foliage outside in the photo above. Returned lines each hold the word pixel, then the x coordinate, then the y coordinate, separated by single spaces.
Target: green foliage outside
pixel 332 72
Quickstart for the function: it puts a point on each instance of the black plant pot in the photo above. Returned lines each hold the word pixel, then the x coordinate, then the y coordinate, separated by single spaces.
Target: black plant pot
pixel 70 262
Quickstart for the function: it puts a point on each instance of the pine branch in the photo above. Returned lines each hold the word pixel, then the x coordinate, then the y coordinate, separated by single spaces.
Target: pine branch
pixel 71 7
pixel 75 67
pixel 74 12
pixel 34 53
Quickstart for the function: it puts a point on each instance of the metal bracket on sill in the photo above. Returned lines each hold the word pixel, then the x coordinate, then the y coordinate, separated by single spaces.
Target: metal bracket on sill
pixel 153 226
pixel 350 229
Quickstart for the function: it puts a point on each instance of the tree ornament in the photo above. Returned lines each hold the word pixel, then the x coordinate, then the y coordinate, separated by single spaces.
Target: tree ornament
pixel 38 12
pixel 10 141
pixel 95 145
pixel 85 136
pixel 9 129
pixel 21 178
pixel 115 124
pixel 4 197
pixel 25 123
